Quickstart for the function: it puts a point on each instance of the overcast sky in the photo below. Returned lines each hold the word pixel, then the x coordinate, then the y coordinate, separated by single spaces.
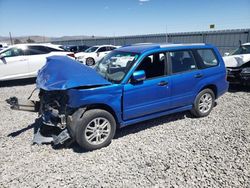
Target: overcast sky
pixel 56 18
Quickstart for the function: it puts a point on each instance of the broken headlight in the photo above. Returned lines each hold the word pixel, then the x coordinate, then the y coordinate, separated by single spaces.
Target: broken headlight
pixel 246 70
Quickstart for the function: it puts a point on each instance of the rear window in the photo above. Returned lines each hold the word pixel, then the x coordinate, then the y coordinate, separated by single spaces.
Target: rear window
pixel 36 50
pixel 182 61
pixel 50 49
pixel 207 57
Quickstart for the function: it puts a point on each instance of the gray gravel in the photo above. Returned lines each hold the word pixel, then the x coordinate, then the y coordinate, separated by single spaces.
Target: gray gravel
pixel 172 151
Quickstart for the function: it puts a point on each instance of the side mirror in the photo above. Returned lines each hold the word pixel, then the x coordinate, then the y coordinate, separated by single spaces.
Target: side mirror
pixel 1 57
pixel 226 54
pixel 138 76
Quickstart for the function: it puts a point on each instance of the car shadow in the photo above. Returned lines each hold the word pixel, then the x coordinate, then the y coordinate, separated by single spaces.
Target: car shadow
pixel 234 88
pixel 138 127
pixel 19 82
pixel 131 129
pixel 34 126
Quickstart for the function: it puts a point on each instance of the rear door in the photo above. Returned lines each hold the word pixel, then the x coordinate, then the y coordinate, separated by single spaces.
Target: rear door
pixel 151 95
pixel 36 58
pixel 185 76
pixel 13 64
pixel 208 63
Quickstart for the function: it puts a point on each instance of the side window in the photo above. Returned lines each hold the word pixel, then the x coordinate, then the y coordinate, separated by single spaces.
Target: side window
pixel 12 52
pixel 102 49
pixel 182 61
pixel 153 65
pixel 49 49
pixel 207 58
pixel 36 50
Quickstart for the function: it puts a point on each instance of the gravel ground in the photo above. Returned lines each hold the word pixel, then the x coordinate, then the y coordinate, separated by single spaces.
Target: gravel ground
pixel 172 151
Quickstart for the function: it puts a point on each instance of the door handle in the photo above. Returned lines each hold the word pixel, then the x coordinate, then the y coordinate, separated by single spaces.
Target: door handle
pixel 199 75
pixel 162 83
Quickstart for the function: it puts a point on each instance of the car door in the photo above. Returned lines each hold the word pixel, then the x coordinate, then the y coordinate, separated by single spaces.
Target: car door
pixel 185 76
pixel 101 52
pixel 13 64
pixel 36 58
pixel 151 95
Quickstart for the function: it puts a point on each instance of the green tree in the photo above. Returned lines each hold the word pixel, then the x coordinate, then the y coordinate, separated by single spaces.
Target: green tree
pixel 30 40
pixel 17 41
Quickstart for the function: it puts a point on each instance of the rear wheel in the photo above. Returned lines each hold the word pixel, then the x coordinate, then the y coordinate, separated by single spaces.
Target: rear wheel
pixel 204 103
pixel 90 61
pixel 95 129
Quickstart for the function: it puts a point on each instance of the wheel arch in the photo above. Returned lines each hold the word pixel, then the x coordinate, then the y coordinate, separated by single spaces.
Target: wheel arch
pixel 104 107
pixel 212 87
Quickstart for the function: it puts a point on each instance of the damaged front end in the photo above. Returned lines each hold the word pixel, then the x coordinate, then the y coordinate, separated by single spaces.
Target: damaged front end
pixel 239 75
pixel 53 112
pixel 54 81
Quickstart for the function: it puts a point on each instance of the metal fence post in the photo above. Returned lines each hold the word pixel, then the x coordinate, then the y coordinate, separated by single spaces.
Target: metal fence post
pixel 248 36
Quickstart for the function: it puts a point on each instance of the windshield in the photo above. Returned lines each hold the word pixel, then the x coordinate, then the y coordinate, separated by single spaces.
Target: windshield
pixel 91 49
pixel 241 50
pixel 115 65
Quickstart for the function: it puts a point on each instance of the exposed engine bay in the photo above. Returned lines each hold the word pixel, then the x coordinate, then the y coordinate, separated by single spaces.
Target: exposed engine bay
pixel 52 110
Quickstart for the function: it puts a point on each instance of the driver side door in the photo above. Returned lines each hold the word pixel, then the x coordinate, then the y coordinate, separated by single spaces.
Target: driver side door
pixel 151 95
pixel 13 64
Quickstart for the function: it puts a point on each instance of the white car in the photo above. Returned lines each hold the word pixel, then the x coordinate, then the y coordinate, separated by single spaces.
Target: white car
pixel 93 54
pixel 24 60
pixel 238 65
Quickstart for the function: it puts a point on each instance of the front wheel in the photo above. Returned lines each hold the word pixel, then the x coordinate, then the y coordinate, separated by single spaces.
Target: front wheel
pixel 204 103
pixel 95 129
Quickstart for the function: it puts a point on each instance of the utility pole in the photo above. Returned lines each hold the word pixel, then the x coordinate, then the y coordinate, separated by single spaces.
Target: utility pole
pixel 11 38
pixel 114 39
pixel 166 33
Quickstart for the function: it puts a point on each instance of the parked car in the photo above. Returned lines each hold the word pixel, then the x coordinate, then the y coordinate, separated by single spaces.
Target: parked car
pixel 24 60
pixel 3 46
pixel 94 54
pixel 238 65
pixel 129 85
pixel 76 49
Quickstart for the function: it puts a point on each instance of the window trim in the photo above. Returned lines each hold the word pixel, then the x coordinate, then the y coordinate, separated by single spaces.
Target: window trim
pixel 192 55
pixel 12 48
pixel 104 47
pixel 29 48
pixel 201 64
pixel 166 67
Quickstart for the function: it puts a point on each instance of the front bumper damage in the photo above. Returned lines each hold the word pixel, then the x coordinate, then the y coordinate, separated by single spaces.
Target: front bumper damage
pixel 237 76
pixel 53 127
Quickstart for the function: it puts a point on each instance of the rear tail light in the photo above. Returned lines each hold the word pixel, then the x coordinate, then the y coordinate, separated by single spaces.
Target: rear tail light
pixel 71 55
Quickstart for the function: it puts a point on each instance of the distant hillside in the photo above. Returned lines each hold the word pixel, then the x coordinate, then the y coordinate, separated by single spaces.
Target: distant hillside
pixel 37 38
pixel 70 37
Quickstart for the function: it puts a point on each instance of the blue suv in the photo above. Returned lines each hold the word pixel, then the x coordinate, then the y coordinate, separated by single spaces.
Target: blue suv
pixel 131 84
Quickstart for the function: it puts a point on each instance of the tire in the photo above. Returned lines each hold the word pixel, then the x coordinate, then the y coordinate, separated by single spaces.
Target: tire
pixel 204 103
pixel 95 129
pixel 90 61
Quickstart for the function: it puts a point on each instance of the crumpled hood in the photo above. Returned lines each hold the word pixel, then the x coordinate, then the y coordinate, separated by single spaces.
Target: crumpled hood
pixel 236 60
pixel 61 73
